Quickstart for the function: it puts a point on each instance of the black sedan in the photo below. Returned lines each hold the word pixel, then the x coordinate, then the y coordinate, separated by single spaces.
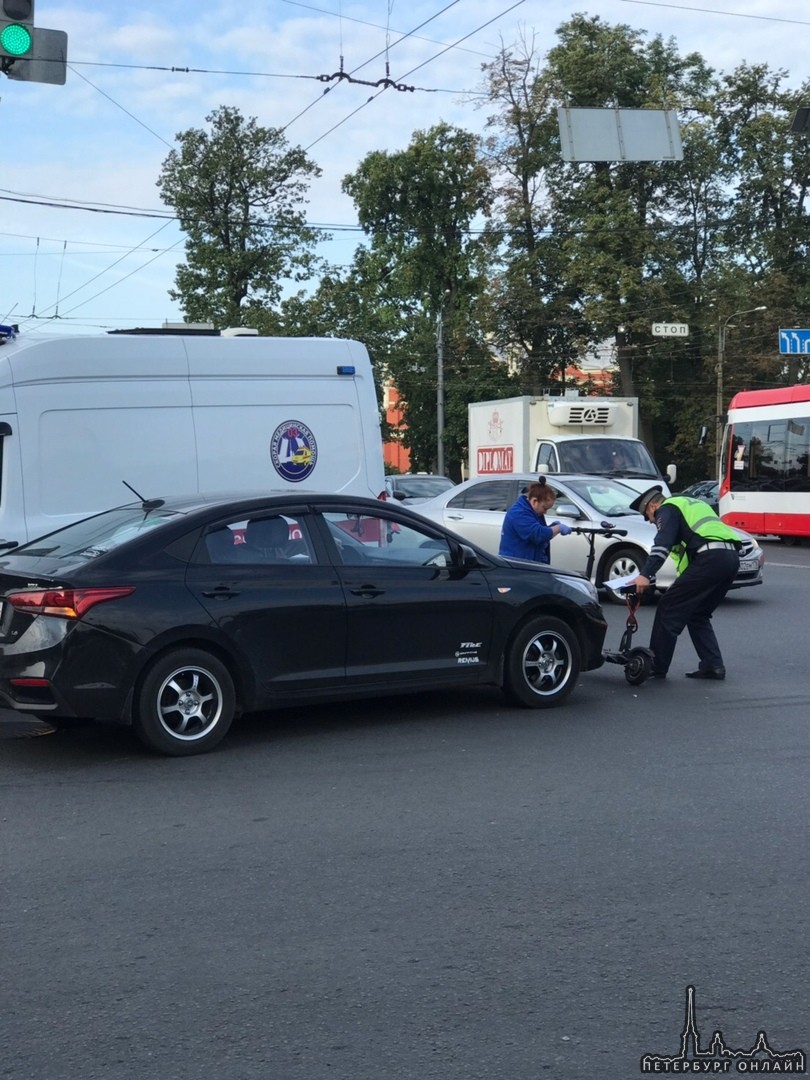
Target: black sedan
pixel 174 615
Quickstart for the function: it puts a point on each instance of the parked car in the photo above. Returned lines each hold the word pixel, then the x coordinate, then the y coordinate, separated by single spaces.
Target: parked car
pixel 174 615
pixel 412 487
pixel 707 490
pixel 475 510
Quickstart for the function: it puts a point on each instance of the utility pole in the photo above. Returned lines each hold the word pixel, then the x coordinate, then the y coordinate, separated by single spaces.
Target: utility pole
pixel 440 390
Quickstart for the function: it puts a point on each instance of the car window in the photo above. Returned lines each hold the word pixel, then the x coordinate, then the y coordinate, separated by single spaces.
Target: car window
pixel 545 456
pixel 421 486
pixel 366 538
pixel 497 495
pixel 91 537
pixel 274 539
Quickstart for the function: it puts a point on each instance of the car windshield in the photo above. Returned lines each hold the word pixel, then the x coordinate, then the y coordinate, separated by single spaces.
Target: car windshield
pixel 91 537
pixel 607 497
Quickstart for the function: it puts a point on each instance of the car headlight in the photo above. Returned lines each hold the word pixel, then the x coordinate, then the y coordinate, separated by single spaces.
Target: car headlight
pixel 584 586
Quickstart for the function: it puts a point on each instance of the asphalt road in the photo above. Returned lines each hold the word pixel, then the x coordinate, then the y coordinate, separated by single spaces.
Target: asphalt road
pixel 431 887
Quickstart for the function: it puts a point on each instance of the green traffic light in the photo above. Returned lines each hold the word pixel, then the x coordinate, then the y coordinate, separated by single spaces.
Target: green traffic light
pixel 15 39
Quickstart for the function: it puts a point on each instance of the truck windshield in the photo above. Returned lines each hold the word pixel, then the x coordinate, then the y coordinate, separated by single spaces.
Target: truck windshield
pixel 607 457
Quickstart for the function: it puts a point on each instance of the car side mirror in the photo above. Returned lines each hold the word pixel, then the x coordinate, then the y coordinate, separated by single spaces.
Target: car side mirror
pixel 567 509
pixel 467 558
pixel 672 473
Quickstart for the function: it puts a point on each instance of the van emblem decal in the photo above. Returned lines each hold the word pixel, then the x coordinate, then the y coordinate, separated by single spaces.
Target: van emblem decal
pixel 293 451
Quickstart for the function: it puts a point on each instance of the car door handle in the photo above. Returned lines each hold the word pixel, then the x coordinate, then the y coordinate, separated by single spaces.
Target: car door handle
pixel 456 517
pixel 221 592
pixel 368 591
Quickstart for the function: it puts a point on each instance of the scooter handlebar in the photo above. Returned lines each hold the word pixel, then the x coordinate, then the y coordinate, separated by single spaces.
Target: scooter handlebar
pixel 605 529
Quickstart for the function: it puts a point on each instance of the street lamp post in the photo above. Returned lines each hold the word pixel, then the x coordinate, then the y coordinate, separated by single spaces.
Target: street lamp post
pixel 721 353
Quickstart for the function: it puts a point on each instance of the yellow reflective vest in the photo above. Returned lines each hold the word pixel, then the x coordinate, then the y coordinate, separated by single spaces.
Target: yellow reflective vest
pixel 701 519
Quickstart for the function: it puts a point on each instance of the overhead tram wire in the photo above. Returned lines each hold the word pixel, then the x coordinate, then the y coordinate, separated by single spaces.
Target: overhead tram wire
pixel 121 107
pixel 371 59
pixel 107 269
pixel 114 284
pixel 169 218
pixel 717 11
pixel 412 70
pixel 378 26
pixel 167 215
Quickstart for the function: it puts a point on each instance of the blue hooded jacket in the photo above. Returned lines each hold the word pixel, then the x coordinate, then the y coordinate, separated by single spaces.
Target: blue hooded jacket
pixel 524 534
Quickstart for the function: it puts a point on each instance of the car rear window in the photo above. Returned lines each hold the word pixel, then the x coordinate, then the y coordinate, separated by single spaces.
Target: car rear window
pixel 87 539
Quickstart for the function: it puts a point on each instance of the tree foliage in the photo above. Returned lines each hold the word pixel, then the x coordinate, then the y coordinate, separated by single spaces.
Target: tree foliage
pixel 427 266
pixel 239 193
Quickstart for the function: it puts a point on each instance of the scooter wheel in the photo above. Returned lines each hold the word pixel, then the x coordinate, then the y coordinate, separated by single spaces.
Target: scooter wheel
pixel 638 667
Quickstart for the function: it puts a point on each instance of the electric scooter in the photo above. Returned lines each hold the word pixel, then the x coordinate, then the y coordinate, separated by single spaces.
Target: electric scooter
pixel 637 662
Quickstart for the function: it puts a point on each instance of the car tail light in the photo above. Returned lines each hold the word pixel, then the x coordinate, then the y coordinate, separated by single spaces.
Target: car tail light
pixel 65 603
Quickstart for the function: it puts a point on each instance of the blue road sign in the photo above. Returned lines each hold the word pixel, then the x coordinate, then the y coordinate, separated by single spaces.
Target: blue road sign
pixel 794 341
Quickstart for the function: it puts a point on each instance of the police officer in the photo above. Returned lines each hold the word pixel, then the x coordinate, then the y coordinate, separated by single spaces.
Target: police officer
pixel 706 554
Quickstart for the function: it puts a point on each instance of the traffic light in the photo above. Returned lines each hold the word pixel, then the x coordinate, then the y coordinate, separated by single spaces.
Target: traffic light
pixel 16 28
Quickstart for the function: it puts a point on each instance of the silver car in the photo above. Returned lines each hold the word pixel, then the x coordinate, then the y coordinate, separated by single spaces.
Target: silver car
pixel 476 508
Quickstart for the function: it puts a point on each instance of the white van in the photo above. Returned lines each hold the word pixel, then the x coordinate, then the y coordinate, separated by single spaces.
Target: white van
pixel 177 413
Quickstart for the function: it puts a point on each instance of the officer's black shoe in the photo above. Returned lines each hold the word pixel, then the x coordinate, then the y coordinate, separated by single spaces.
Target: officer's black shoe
pixel 707 673
pixel 658 675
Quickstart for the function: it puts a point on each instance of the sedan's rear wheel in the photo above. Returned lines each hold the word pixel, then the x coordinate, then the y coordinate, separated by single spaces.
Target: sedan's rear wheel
pixel 185 703
pixel 543 663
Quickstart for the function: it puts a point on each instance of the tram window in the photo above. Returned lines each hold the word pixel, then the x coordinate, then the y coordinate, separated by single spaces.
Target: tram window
pixel 797 454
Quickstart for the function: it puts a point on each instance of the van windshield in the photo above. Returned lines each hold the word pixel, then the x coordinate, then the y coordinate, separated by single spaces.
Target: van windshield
pixel 87 539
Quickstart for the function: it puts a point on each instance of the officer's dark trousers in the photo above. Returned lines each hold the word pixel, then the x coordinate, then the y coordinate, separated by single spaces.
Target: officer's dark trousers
pixel 689 603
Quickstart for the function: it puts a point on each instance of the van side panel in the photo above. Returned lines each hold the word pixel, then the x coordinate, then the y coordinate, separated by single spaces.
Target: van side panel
pixel 271 413
pixel 151 447
pixel 93 412
pixel 178 414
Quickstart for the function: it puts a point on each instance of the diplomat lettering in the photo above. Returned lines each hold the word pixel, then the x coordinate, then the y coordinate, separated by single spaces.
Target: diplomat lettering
pixel 495 459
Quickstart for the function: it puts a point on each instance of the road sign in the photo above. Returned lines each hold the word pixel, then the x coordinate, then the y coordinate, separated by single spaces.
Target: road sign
pixel 670 329
pixel 794 341
pixel 47 61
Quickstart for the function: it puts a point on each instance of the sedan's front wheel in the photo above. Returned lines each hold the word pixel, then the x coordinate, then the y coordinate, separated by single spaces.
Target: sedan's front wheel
pixel 185 703
pixel 543 663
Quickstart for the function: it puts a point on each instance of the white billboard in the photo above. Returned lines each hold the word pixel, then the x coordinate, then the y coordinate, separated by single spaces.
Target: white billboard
pixel 619 135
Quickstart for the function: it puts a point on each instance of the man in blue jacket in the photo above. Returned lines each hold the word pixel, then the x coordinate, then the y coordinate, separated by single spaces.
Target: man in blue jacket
pixel 525 534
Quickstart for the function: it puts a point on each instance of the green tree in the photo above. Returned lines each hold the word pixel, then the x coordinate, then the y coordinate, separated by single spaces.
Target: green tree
pixel 239 193
pixel 426 265
pixel 768 228
pixel 536 321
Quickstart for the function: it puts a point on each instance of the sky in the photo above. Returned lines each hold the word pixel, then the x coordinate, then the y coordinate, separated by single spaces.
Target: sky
pixel 86 245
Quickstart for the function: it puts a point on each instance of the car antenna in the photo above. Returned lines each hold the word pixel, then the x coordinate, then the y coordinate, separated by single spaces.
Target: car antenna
pixel 147 504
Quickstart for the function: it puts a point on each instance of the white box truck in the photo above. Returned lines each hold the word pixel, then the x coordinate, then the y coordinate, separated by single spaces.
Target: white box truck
pixel 566 434
pixel 175 414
